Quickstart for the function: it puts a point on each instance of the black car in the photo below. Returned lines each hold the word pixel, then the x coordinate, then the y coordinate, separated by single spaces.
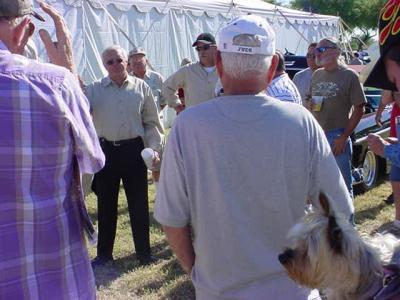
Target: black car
pixel 294 63
pixel 368 168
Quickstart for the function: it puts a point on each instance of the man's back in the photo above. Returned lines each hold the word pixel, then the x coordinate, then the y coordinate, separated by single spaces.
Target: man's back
pixel 239 170
pixel 46 128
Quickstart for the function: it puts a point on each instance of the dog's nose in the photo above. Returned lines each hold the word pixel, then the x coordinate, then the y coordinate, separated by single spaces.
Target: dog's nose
pixel 286 256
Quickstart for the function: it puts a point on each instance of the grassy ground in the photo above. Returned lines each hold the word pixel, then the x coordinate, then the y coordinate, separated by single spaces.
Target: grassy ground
pixel 164 279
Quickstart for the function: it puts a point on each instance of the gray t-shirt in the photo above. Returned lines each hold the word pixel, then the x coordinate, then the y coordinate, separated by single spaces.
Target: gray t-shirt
pixel 302 81
pixel 239 169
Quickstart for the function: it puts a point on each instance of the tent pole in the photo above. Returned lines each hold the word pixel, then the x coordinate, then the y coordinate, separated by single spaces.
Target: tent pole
pixel 290 23
pixel 348 28
pixel 121 30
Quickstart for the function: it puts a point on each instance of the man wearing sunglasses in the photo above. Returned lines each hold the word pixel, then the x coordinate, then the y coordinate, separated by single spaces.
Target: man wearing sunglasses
pixel 126 120
pixel 336 99
pixel 197 80
pixel 302 79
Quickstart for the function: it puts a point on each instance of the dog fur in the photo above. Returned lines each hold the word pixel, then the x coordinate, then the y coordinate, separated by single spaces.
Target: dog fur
pixel 328 254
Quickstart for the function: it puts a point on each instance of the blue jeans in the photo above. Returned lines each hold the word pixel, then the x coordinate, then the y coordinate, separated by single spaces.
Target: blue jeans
pixel 343 160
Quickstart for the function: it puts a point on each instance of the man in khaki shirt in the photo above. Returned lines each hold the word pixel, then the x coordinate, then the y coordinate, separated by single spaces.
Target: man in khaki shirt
pixel 126 120
pixel 198 80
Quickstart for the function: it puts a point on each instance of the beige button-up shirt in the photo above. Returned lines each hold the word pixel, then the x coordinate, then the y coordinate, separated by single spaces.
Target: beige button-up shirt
pixel 198 85
pixel 125 112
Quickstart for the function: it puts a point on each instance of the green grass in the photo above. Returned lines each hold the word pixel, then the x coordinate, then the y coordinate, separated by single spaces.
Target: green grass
pixel 164 279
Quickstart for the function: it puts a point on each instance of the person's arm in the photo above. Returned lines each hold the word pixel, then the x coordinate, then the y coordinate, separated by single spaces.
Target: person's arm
pixel 181 243
pixel 59 53
pixel 378 113
pixel 153 128
pixel 355 118
pixel 384 148
pixel 325 175
pixel 170 89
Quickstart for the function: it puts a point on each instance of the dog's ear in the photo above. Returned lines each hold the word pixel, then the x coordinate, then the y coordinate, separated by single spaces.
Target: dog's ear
pixel 334 235
pixel 323 200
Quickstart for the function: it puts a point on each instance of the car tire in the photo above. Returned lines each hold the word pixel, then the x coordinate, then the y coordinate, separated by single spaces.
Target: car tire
pixel 371 170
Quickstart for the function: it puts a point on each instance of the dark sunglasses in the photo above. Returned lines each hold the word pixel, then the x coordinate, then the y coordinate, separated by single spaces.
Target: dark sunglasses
pixel 310 55
pixel 323 49
pixel 114 61
pixel 205 47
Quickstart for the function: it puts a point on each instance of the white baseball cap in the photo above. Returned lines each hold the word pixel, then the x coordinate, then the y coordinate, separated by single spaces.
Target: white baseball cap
pixel 248 34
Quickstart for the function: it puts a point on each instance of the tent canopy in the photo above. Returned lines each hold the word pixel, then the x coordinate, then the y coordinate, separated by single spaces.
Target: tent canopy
pixel 167 29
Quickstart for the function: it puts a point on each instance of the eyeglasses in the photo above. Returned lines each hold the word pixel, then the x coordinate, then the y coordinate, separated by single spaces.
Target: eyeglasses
pixel 323 49
pixel 310 56
pixel 114 61
pixel 204 48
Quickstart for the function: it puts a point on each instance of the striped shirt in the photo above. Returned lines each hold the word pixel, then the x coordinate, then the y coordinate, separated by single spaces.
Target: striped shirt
pixel 283 88
pixel 45 127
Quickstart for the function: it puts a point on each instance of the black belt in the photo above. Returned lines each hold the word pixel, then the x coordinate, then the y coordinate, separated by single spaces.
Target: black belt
pixel 118 143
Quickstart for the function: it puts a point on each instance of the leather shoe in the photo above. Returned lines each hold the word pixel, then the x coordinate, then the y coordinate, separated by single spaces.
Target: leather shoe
pixel 146 259
pixel 100 261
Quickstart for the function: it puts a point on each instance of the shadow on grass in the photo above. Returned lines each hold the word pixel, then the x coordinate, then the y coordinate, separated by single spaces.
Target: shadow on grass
pixel 369 214
pixel 105 275
pixel 171 272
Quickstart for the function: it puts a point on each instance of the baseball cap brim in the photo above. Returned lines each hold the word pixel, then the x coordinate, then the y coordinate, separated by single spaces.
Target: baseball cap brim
pixel 377 76
pixel 201 41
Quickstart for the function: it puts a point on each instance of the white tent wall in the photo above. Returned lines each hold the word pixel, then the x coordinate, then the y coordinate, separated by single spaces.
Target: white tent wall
pixel 167 29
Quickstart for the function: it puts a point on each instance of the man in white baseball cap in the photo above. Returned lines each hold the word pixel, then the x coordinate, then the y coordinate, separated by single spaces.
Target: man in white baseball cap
pixel 236 174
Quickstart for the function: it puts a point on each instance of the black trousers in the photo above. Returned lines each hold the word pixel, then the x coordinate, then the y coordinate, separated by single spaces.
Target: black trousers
pixel 122 162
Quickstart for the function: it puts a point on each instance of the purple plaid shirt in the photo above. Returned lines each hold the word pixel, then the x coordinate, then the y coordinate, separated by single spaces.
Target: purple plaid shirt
pixel 45 128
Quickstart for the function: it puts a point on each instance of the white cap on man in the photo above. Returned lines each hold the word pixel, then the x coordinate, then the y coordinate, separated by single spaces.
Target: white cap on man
pixel 248 34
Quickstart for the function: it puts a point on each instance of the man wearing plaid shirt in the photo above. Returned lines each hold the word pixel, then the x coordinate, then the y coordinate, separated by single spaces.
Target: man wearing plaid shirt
pixel 46 138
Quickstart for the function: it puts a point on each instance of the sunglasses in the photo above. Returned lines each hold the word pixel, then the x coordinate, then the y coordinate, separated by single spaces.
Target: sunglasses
pixel 310 55
pixel 204 48
pixel 114 61
pixel 323 49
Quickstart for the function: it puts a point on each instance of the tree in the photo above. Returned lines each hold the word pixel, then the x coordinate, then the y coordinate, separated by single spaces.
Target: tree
pixel 355 13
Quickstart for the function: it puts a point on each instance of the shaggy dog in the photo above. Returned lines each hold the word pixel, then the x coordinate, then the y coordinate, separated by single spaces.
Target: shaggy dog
pixel 328 254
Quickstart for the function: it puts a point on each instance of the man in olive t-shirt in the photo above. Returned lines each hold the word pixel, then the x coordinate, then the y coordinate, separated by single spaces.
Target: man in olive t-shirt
pixel 342 106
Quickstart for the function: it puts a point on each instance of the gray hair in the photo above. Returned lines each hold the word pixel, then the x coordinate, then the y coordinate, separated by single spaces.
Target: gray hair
pixel 241 66
pixel 115 48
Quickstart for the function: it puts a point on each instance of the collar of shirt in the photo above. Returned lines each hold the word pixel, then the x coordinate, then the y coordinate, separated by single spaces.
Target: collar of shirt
pixel 107 80
pixel 147 74
pixel 278 78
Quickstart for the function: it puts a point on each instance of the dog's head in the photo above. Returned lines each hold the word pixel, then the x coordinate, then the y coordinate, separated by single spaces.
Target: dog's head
pixel 326 251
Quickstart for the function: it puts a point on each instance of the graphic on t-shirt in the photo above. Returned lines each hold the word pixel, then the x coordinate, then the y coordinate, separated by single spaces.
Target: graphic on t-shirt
pixel 326 89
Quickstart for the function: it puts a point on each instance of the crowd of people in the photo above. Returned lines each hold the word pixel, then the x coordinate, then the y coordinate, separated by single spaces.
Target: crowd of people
pixel 250 150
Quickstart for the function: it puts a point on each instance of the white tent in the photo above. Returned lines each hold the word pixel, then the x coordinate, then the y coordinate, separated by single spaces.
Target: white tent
pixel 166 29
